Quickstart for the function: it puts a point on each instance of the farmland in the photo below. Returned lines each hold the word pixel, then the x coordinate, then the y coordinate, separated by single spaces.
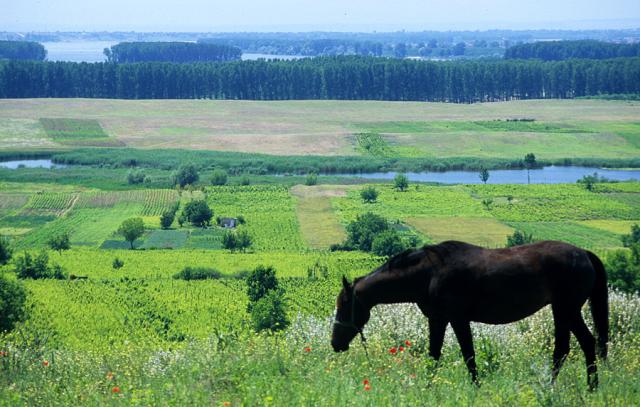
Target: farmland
pixel 165 341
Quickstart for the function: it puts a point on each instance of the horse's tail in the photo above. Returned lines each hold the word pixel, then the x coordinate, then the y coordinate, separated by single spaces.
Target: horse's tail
pixel 600 305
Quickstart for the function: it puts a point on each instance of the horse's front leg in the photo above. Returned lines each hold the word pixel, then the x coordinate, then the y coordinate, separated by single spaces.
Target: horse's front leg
pixel 437 328
pixel 462 329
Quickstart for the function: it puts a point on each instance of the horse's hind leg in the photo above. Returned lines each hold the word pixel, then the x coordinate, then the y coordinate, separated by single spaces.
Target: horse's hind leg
pixel 462 329
pixel 562 324
pixel 588 345
pixel 437 328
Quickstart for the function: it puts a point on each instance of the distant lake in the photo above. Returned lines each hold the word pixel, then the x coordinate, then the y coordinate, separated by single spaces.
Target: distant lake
pixel 77 51
pixel 92 51
pixel 15 164
pixel 546 175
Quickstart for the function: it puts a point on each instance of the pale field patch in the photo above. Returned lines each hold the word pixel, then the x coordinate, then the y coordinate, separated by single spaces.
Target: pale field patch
pixel 622 227
pixel 486 232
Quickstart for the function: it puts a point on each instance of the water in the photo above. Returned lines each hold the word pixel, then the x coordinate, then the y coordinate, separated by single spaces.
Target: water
pixel 77 51
pixel 253 57
pixel 15 164
pixel 546 175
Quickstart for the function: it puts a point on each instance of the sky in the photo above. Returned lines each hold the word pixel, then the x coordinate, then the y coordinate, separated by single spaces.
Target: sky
pixel 309 15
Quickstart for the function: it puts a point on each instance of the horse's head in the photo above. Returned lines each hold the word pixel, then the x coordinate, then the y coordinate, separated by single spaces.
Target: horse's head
pixel 351 316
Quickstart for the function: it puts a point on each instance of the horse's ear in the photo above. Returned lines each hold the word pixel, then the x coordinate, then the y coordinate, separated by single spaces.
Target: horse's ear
pixel 346 284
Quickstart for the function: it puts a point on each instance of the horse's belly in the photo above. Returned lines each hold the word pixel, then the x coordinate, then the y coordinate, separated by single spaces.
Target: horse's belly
pixel 510 305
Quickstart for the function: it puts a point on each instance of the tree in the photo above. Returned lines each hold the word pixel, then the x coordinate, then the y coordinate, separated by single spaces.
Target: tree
pixel 260 281
pixel 623 270
pixel 312 179
pixel 362 231
pixel 187 174
pixel 245 180
pixel 12 303
pixel 369 194
pixel 529 163
pixel 198 213
pixel 633 238
pixel 5 250
pixel 131 229
pixel 401 182
pixel 270 312
pixel 219 177
pixel 484 175
pixel 459 49
pixel 229 241
pixel 59 242
pixel 519 238
pixel 135 177
pixel 37 267
pixel 166 219
pixel 388 243
pixel 243 240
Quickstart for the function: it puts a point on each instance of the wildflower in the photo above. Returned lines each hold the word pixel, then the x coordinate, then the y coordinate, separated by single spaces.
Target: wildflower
pixel 365 382
pixel 367 387
pixel 407 343
pixel 115 390
pixel 226 403
pixel 307 349
pixel 393 350
pixel 109 376
pixel 401 348
pixel 45 363
pixel 3 353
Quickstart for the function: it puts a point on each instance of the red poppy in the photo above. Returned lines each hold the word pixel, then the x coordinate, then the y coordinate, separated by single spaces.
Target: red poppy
pixel 401 348
pixel 307 349
pixel 365 382
pixel 407 343
pixel 45 363
pixel 115 389
pixel 393 350
pixel 367 387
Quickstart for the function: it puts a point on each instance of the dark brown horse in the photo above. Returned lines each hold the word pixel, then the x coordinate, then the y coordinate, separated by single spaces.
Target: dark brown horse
pixel 457 283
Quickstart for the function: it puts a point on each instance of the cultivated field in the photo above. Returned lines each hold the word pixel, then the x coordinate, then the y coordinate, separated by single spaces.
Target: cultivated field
pixel 562 128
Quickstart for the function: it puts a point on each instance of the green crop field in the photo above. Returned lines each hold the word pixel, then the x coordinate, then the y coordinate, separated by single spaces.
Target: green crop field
pixel 132 334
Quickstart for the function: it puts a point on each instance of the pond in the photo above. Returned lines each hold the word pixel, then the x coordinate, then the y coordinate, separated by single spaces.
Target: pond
pixel 41 163
pixel 545 175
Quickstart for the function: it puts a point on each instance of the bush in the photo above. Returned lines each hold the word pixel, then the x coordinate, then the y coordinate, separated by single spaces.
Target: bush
pixel 219 177
pixel 5 250
pixel 166 219
pixel 12 303
pixel 197 273
pixel 38 267
pixel 236 241
pixel 369 195
pixel 260 281
pixel 388 243
pixel 632 238
pixel 623 270
pixel 187 174
pixel 198 213
pixel 117 263
pixel 135 177
pixel 362 231
pixel 519 238
pixel 312 179
pixel 245 180
pixel 269 312
pixel 59 242
pixel 401 182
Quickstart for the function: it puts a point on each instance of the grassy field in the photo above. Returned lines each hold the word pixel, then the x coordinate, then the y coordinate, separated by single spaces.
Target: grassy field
pixel 562 128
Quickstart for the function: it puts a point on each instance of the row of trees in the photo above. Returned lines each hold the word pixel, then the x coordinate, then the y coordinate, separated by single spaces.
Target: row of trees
pixel 349 78
pixel 22 50
pixel 181 52
pixel 561 50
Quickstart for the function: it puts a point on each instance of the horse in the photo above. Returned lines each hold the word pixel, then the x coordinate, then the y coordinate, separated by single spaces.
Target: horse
pixel 458 283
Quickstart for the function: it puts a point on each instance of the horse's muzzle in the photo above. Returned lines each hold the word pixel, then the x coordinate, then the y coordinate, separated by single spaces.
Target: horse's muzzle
pixel 339 347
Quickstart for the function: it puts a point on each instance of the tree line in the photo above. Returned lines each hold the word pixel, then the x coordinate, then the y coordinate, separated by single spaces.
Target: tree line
pixel 22 50
pixel 180 52
pixel 346 78
pixel 561 50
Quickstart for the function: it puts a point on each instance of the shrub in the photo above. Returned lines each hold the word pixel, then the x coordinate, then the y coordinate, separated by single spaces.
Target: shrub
pixel 401 182
pixel 245 180
pixel 187 174
pixel 623 270
pixel 12 303
pixel 5 250
pixel 519 238
pixel 197 273
pixel 117 263
pixel 362 231
pixel 37 267
pixel 167 218
pixel 633 238
pixel 259 282
pixel 318 270
pixel 312 179
pixel 198 213
pixel 219 177
pixel 487 202
pixel 388 243
pixel 269 312
pixel 369 195
pixel 236 241
pixel 135 177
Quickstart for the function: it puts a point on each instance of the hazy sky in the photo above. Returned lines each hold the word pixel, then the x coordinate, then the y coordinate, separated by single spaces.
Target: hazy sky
pixel 305 15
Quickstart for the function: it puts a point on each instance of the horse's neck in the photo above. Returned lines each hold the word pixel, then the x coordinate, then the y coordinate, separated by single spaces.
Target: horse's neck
pixel 390 288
